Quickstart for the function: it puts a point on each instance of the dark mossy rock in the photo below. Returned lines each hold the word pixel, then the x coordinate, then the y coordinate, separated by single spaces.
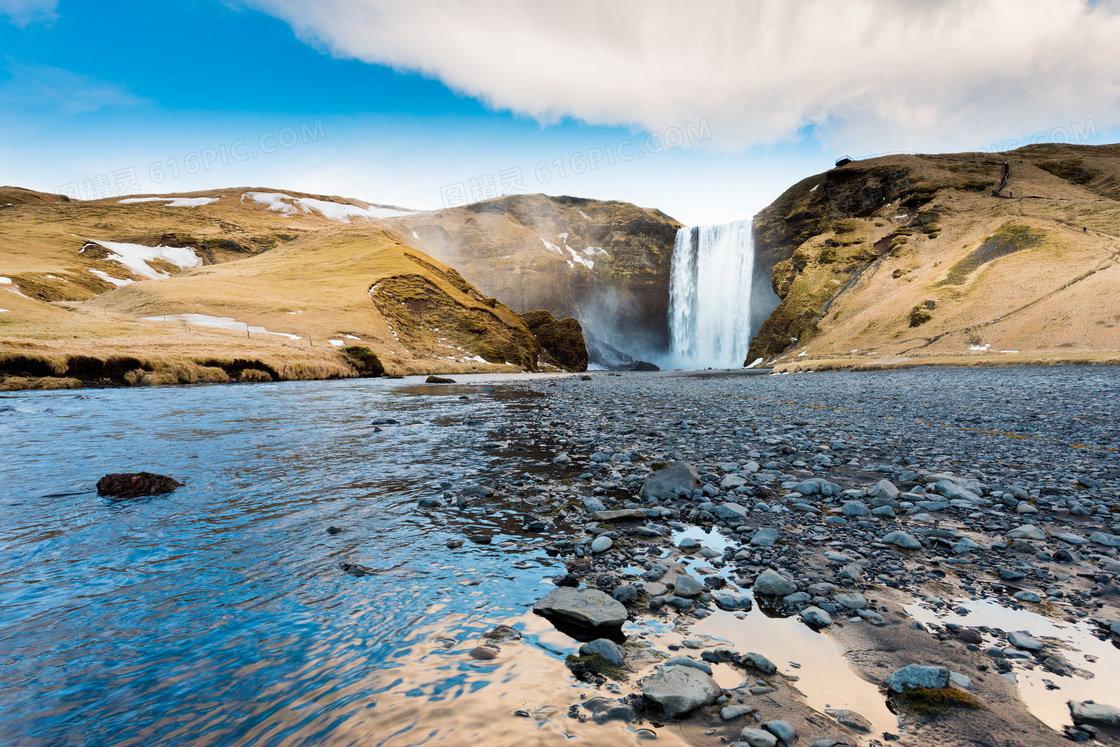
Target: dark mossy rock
pixel 562 338
pixel 594 668
pixel 920 314
pixel 364 360
pixel 438 380
pixel 135 484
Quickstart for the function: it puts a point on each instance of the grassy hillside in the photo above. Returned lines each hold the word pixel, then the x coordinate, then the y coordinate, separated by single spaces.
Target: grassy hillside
pixel 914 259
pixel 322 285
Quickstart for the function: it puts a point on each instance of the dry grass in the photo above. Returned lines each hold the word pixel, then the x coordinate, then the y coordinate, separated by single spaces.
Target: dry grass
pixel 936 701
pixel 972 360
pixel 1036 275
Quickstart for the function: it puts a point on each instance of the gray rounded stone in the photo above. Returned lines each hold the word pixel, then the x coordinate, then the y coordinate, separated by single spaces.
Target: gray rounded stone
pixel 816 617
pixel 601 544
pixel 607 649
pixel 589 608
pixel 783 730
pixel 1088 712
pixel 852 600
pixel 678 477
pixel 764 537
pixel 677 690
pixel 758 737
pixel 687 586
pixel 902 540
pixel 770 583
pixel 1027 532
pixel 916 676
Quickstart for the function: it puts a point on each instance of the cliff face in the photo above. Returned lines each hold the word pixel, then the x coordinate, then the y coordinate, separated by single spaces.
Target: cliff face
pixel 604 263
pixel 909 256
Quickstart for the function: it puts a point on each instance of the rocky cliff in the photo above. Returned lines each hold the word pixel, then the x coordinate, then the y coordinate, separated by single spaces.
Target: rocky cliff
pixel 604 263
pixel 919 256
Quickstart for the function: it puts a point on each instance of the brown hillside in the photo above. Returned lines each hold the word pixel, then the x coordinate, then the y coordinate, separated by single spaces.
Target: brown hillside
pixel 914 257
pixel 330 283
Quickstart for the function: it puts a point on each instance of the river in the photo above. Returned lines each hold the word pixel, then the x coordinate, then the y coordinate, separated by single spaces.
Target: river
pixel 218 615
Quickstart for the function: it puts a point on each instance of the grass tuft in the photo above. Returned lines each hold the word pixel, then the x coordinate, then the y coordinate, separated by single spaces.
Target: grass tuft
pixel 595 664
pixel 928 701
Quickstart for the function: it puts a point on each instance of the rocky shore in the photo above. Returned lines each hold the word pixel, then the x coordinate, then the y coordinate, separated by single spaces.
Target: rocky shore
pixel 851 505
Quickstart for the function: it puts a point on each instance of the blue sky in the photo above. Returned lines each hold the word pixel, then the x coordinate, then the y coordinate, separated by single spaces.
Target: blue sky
pixel 422 107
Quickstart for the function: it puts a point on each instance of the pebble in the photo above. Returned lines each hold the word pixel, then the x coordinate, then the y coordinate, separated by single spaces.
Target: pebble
pixel 601 544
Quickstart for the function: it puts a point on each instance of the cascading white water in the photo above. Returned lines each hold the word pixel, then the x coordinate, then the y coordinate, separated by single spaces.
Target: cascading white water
pixel 710 295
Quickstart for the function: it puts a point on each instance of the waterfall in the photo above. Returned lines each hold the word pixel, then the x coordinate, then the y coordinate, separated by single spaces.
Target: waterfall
pixel 710 295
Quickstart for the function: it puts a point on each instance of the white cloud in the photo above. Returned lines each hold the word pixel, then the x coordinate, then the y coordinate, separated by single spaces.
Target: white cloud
pixel 61 90
pixel 866 75
pixel 24 12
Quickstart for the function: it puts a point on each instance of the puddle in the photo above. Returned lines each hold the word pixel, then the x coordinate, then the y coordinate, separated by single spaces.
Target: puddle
pixel 442 696
pixel 823 675
pixel 1076 643
pixel 711 539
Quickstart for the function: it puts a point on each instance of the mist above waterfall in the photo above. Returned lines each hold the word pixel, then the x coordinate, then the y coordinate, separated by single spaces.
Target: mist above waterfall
pixel 710 296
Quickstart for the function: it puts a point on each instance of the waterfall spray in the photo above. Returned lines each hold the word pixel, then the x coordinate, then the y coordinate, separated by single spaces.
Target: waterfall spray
pixel 710 295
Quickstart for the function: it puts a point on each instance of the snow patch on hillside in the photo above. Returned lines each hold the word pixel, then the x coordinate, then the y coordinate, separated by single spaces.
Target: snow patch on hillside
pixel 110 279
pixel 136 257
pixel 576 258
pixel 336 211
pixel 11 287
pixel 220 322
pixel 188 202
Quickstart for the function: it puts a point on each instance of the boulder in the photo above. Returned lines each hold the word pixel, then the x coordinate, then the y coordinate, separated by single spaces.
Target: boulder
pixel 562 338
pixel 730 511
pixel 591 609
pixel 1021 639
pixel 852 600
pixel 759 662
pixel 770 583
pixel 135 484
pixel 758 737
pixel 687 586
pixel 850 719
pixel 1108 540
pixel 953 491
pixel 1088 712
pixel 731 602
pixel 883 489
pixel 619 514
pixel 783 730
pixel 730 482
pixel 915 676
pixel 667 483
pixel 678 690
pixel 816 617
pixel 1026 531
pixel 607 649
pixel 903 540
pixel 855 509
pixel 764 537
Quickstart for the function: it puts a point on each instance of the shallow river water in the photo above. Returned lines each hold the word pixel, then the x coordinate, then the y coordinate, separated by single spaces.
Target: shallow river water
pixel 218 614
